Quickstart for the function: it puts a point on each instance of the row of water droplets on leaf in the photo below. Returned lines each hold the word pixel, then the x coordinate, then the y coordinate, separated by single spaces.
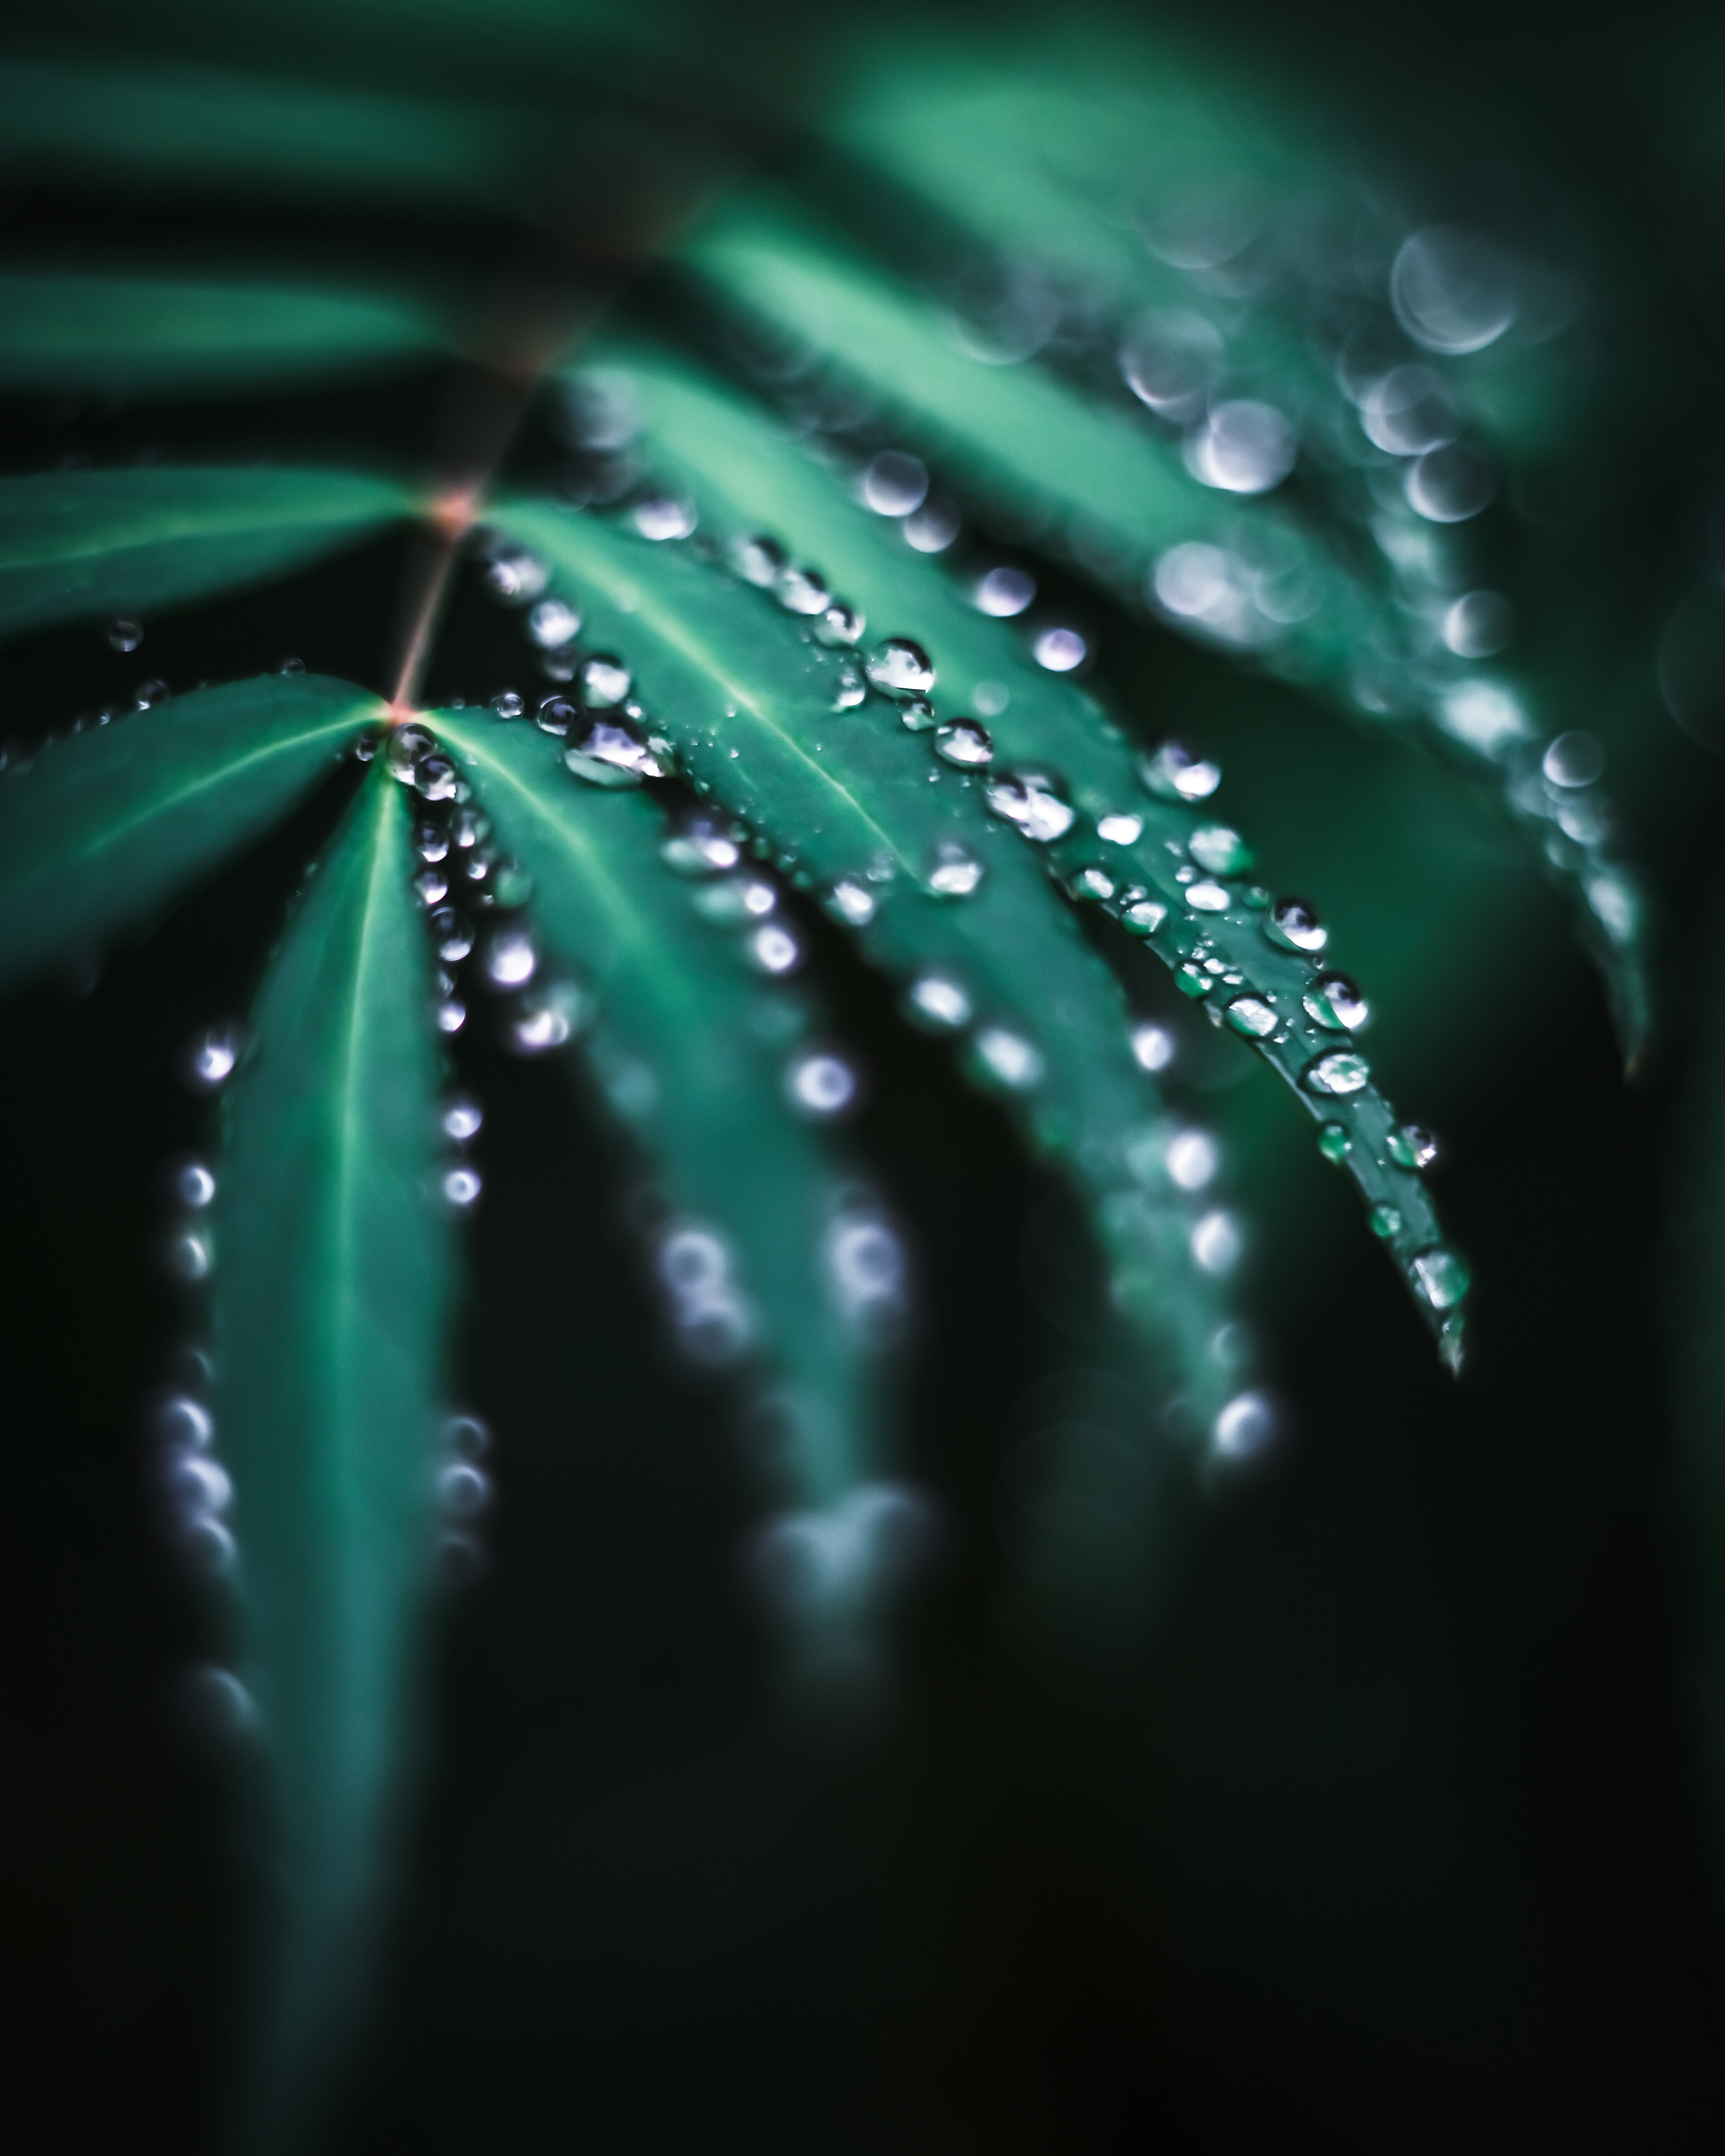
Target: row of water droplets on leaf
pixel 1129 834
pixel 725 1077
pixel 1321 418
pixel 1170 1251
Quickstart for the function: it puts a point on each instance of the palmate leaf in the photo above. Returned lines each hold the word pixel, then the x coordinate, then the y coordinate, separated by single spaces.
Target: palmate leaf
pixel 746 477
pixel 1100 487
pixel 165 335
pixel 79 545
pixel 104 829
pixel 332 1289
pixel 697 1052
pixel 852 807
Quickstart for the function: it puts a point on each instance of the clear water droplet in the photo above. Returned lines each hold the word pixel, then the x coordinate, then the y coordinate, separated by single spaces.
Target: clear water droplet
pixel 406 745
pixel 894 484
pixel 1004 592
pixel 1059 650
pixel 821 1083
pixel 1252 1016
pixel 511 957
pixel 1245 1427
pixel 934 527
pixel 1333 1142
pixel 453 935
pixel 1452 291
pixel 940 1000
pixel 956 872
pixel 605 681
pixel 963 742
pixel 901 667
pixel 1449 485
pixel 291 665
pixel 512 576
pixel 699 849
pixel 1153 1046
pixel 212 1056
pixel 1575 758
pixel 801 591
pixel 189 1256
pixel 1295 925
pixel 1168 359
pixel 451 1014
pixel 916 715
pixel 1479 625
pixel 1121 830
pixel 547 1017
pixel 1007 1057
pixel 1440 1275
pixel 1223 852
pixel 431 842
pixel 463 1118
pixel 463 1490
pixel 185 1422
pixel 1336 1003
pixel 1029 801
pixel 774 949
pixel 849 689
pixel 1385 1221
pixel 1193 1158
pixel 1411 1147
pixel 851 902
pixel 1243 447
pixel 556 715
pixel 462 1185
pixel 435 778
pixel 612 757
pixel 1217 1242
pixel 841 626
pixel 552 624
pixel 1339 1072
pixel 736 900
pixel 1176 772
pixel 124 635
pixel 663 516
pixel 1091 886
pixel 194 1185
pixel 758 560
pixel 1142 916
pixel 429 887
pixel 1208 897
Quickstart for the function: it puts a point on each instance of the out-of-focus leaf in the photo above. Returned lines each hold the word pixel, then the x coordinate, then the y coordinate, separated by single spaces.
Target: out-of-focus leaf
pixel 856 810
pixel 105 828
pixel 161 335
pixel 332 1286
pixel 80 544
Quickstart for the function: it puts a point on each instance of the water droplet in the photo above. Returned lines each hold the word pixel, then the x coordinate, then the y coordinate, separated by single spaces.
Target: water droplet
pixel 463 1118
pixel 545 1017
pixel 1221 851
pixel 1336 1004
pixel 916 715
pixel 1059 650
pixel 1168 359
pixel 556 715
pixel 194 1185
pixel 451 1014
pixel 1448 487
pixel 1440 1276
pixel 149 695
pixel 940 999
pixel 664 516
pixel 821 1083
pixel 1478 624
pixel 758 560
pixel 435 778
pixel 774 949
pixel 736 900
pixel 1217 1242
pixel 1028 801
pixel 1245 1427
pixel 849 689
pixel 511 957
pixel 1333 1142
pixel 453 935
pixel 605 681
pixel 1153 1046
pixel 463 1490
pixel 963 742
pixel 610 756
pixel 123 634
pixel 1411 1147
pixel 1193 1158
pixel 291 666
pixel 1008 1057
pixel 1121 830
pixel 406 745
pixel 1244 447
pixel 1005 592
pixel 894 484
pixel 212 1056
pixel 901 667
pixel 552 624
pixel 841 625
pixel 801 591
pixel 429 887
pixel 1208 897
pixel 1193 981
pixel 1295 925
pixel 1408 411
pixel 1252 1016
pixel 699 849
pixel 189 1256
pixel 956 873
pixel 1385 1221
pixel 1573 759
pixel 851 902
pixel 185 1422
pixel 513 576
pixel 1452 291
pixel 1177 772
pixel 934 527
pixel 462 1185
pixel 1338 1072
pixel 431 842
pixel 1142 916
pixel 1092 886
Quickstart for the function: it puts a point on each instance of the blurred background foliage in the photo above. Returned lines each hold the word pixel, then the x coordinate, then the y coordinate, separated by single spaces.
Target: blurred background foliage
pixel 1389 1823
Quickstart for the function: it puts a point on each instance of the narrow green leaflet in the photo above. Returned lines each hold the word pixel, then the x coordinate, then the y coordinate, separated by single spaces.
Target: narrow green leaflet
pixel 1099 485
pixel 76 545
pixel 699 1053
pixel 213 337
pixel 1127 848
pixel 104 829
pixel 333 1286
pixel 946 901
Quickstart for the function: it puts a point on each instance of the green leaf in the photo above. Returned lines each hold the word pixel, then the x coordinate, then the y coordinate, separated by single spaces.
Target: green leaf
pixel 163 335
pixel 104 829
pixel 76 545
pixel 1111 493
pixel 694 1049
pixel 333 1286
pixel 746 477
pixel 854 808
